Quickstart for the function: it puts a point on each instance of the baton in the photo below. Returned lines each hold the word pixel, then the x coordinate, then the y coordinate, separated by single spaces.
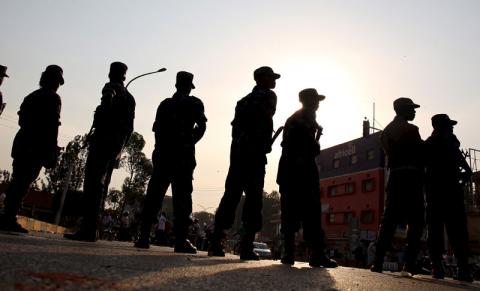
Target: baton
pixel 277 133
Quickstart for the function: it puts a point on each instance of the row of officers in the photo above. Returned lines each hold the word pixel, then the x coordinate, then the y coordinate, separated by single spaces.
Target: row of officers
pixel 436 164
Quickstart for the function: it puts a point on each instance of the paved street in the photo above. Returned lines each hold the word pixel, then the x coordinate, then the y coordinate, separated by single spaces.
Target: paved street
pixel 41 261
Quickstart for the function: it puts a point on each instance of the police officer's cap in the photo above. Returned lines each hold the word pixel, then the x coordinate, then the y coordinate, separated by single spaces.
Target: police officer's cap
pixel 310 94
pixel 185 79
pixel 442 120
pixel 265 71
pixel 3 71
pixel 118 68
pixel 403 102
pixel 54 71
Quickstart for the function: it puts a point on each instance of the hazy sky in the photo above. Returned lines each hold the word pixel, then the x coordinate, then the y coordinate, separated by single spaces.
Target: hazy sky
pixel 354 52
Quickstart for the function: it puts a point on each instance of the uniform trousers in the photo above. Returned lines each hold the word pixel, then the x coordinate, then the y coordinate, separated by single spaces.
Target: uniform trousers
pixel 446 210
pixel 178 173
pixel 246 174
pixel 25 171
pixel 405 204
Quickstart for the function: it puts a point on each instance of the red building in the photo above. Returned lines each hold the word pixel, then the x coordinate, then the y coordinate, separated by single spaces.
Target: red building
pixel 352 182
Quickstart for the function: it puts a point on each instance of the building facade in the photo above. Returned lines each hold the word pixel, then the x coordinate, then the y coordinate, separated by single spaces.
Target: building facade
pixel 352 183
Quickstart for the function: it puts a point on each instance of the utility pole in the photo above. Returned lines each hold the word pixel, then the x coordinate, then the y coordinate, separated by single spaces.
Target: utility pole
pixel 66 183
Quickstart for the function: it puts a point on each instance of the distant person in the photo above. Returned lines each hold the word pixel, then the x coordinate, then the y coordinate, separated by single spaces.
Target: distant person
pixel 179 124
pixel 371 252
pixel 446 175
pixel 160 235
pixel 299 182
pixel 35 144
pixel 405 202
pixel 2 200
pixel 252 129
pixel 125 224
pixel 3 74
pixel 111 130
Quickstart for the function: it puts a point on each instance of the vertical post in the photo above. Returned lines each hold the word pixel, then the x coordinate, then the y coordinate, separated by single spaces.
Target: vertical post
pixel 373 119
pixel 66 183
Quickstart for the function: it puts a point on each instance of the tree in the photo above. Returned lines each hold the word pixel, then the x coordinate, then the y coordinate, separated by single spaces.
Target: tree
pixel 75 156
pixel 271 214
pixel 5 177
pixel 204 217
pixel 139 168
pixel 113 199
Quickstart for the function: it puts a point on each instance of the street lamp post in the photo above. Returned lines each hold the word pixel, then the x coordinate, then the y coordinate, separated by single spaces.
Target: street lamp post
pixel 154 72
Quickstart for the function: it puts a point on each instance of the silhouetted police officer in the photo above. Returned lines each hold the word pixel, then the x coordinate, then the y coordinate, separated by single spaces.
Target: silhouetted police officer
pixel 252 130
pixel 111 129
pixel 179 124
pixel 299 181
pixel 405 202
pixel 3 74
pixel 446 173
pixel 35 144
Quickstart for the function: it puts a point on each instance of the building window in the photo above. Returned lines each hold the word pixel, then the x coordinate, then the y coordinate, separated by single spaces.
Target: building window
pixel 366 216
pixel 370 154
pixel 353 159
pixel 347 217
pixel 336 163
pixel 332 191
pixel 368 185
pixel 349 188
pixel 331 218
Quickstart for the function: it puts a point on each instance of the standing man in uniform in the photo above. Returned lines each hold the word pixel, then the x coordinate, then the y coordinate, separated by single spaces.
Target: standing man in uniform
pixel 447 172
pixel 35 144
pixel 3 74
pixel 299 182
pixel 111 129
pixel 252 130
pixel 405 202
pixel 179 124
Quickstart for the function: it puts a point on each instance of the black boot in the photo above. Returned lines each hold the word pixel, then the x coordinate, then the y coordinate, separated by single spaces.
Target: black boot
pixel 143 241
pixel 11 224
pixel 246 248
pixel 464 273
pixel 89 235
pixel 184 246
pixel 319 259
pixel 216 248
pixel 438 272
pixel 288 249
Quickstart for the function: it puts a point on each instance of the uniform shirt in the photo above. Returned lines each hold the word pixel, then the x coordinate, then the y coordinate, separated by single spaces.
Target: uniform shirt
pixel 444 158
pixel 299 148
pixel 39 119
pixel 402 144
pixel 179 124
pixel 115 115
pixel 252 126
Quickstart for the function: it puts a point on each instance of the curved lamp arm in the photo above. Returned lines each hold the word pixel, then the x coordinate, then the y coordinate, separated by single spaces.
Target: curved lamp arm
pixel 157 71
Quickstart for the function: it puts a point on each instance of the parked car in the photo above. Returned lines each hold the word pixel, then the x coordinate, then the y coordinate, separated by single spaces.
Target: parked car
pixel 262 250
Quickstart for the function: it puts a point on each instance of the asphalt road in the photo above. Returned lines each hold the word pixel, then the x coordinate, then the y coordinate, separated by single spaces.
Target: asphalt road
pixel 41 261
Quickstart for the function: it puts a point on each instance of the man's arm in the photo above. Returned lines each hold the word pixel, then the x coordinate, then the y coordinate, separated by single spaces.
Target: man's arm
pixel 200 123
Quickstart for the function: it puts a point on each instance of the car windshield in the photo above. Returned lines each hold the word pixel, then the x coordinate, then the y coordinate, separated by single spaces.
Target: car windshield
pixel 259 245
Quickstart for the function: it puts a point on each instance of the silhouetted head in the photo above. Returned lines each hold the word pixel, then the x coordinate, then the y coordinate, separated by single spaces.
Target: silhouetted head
pixel 265 77
pixel 310 99
pixel 405 107
pixel 3 73
pixel 52 77
pixel 184 82
pixel 118 71
pixel 441 122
